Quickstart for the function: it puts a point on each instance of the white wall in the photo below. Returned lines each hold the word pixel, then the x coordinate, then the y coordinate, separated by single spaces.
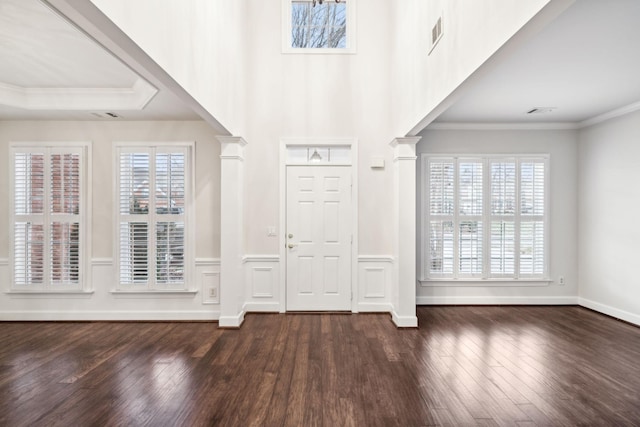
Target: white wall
pixel 473 32
pixel 200 43
pixel 562 147
pixel 609 202
pixel 102 304
pixel 318 95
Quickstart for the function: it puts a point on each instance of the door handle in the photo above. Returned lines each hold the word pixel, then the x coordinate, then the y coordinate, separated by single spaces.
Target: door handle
pixel 291 245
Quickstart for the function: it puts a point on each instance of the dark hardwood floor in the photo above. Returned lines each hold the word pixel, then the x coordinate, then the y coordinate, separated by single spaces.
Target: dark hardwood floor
pixel 511 366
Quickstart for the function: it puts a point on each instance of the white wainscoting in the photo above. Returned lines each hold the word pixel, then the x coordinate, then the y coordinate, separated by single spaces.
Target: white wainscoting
pixel 208 280
pixel 262 283
pixel 100 302
pixel 374 283
pixel 4 274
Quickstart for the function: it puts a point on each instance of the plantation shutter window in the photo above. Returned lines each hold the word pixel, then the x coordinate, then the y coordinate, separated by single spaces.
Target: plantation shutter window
pixel 152 190
pixel 470 209
pixel 48 218
pixel 441 215
pixel 484 217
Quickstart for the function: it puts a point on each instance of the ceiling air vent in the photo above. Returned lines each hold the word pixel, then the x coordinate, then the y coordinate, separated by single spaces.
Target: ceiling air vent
pixel 541 110
pixel 107 115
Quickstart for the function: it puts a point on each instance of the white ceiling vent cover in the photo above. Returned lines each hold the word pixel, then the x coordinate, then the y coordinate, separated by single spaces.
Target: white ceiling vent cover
pixel 541 110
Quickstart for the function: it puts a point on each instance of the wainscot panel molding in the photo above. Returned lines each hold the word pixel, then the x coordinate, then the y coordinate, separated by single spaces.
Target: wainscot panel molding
pixel 375 274
pixel 262 278
pixel 492 300
pixel 610 311
pixel 4 274
pixel 208 280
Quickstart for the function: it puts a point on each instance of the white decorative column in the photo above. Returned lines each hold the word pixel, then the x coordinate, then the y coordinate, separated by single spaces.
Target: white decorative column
pixel 404 283
pixel 231 231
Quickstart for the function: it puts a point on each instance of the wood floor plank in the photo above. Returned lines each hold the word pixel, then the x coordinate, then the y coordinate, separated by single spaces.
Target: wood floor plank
pixel 476 366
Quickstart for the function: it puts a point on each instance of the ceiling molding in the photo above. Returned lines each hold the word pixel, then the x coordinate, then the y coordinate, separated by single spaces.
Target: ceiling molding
pixel 502 126
pixel 618 112
pixel 73 99
pixel 627 109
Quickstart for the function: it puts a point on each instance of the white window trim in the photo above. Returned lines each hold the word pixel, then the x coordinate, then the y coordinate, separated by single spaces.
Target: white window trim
pixel 190 219
pixel 516 280
pixel 85 245
pixel 351 33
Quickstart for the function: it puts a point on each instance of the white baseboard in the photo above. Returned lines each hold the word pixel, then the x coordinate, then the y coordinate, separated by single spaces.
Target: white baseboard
pixel 370 307
pixel 610 311
pixel 231 321
pixel 261 307
pixel 61 316
pixel 423 300
pixel 404 321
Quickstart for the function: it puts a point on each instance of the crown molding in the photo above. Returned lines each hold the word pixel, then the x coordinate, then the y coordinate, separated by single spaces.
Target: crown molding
pixel 502 126
pixel 135 97
pixel 618 112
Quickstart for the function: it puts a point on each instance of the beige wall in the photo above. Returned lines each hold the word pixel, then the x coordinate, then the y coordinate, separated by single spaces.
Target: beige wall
pixel 102 134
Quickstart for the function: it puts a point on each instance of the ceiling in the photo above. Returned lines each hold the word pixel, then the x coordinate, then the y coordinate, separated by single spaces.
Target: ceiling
pixel 584 64
pixel 50 70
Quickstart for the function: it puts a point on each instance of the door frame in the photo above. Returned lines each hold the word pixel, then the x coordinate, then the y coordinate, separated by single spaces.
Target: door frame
pixel 282 228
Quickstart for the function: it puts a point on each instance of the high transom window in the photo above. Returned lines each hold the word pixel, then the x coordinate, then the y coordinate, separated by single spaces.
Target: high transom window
pixel 319 27
pixel 484 217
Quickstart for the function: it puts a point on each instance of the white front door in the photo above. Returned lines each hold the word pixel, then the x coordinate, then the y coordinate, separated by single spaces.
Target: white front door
pixel 318 238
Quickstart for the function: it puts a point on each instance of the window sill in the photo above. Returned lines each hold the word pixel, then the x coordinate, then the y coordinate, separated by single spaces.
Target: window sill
pixel 484 282
pixel 153 292
pixel 49 292
pixel 319 51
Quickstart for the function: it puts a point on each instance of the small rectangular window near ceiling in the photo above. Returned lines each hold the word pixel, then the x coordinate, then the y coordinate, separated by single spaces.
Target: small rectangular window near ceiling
pixel 319 26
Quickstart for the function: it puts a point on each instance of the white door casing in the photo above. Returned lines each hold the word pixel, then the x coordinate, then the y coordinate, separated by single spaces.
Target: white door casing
pixel 318 238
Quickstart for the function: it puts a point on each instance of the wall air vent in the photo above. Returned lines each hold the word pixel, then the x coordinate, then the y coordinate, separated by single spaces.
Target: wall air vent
pixel 436 34
pixel 541 110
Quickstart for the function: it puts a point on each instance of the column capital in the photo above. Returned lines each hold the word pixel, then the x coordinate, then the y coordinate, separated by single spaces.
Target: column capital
pixel 232 147
pixel 404 148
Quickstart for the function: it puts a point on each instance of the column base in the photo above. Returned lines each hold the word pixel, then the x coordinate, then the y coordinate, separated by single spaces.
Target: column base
pixel 404 321
pixel 231 322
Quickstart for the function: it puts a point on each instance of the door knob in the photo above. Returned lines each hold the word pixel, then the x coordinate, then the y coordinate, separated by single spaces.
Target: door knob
pixel 291 245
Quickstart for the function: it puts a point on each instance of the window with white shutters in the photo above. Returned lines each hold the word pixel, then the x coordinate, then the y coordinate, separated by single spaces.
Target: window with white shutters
pixel 48 217
pixel 484 217
pixel 153 188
